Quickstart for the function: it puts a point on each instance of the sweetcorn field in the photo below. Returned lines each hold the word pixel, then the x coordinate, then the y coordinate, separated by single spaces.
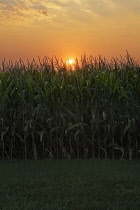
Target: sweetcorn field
pixel 90 109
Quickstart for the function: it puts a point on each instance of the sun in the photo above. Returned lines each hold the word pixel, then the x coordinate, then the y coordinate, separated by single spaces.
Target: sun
pixel 70 61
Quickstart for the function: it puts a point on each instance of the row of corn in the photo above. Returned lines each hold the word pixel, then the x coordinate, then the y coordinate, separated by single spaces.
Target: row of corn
pixel 88 110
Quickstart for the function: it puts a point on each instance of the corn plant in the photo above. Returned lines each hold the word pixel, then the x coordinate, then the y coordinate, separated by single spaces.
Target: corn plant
pixel 88 110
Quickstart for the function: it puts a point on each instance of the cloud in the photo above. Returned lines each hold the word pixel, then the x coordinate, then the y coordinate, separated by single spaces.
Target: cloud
pixel 21 11
pixel 60 11
pixel 129 6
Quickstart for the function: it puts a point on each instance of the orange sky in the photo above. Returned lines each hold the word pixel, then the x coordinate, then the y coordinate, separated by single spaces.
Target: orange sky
pixel 68 28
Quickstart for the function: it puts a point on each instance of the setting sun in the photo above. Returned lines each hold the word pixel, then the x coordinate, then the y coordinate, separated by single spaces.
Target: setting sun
pixel 70 61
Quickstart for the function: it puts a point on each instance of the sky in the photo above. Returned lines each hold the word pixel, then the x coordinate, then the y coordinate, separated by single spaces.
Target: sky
pixel 69 28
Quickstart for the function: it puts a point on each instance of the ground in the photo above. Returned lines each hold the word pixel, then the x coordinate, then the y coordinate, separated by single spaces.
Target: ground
pixel 69 185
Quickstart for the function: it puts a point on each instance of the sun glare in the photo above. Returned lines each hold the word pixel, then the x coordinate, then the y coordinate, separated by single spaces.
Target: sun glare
pixel 70 61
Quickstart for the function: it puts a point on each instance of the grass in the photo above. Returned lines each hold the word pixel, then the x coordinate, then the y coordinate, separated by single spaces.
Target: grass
pixel 64 184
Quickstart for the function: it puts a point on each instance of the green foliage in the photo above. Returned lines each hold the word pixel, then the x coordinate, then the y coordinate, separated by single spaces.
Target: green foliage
pixel 51 110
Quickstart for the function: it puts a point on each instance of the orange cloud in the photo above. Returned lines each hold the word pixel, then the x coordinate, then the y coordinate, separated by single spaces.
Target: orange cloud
pixel 69 26
pixel 21 12
pixel 61 10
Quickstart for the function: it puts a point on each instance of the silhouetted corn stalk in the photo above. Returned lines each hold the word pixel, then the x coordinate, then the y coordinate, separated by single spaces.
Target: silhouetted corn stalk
pixel 90 110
